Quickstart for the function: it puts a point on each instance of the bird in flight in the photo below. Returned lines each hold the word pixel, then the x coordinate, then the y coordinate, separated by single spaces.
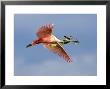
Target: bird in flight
pixel 51 42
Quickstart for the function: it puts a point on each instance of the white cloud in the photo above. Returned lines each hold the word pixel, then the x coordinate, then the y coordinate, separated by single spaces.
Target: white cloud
pixel 82 65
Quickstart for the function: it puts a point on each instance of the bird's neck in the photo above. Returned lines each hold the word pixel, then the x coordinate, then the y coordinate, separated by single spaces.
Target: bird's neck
pixel 64 41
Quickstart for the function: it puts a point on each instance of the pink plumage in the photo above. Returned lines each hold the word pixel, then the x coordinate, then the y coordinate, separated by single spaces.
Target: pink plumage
pixel 45 36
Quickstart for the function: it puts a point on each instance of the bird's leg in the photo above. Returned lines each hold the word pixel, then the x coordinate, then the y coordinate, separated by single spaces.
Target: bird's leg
pixel 33 43
pixel 29 45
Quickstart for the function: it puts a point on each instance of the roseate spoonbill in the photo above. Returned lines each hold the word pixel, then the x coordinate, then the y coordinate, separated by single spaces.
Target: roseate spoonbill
pixel 51 42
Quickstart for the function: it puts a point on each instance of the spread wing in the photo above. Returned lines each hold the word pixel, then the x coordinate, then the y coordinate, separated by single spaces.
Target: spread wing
pixel 58 49
pixel 45 30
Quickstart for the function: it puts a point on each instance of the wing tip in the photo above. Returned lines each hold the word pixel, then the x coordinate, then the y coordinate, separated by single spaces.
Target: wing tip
pixel 69 61
pixel 50 25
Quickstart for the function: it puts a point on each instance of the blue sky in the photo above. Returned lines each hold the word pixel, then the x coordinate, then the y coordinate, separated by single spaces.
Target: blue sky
pixel 38 61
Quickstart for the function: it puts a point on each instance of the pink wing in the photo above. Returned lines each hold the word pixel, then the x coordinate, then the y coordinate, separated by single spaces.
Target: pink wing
pixel 58 49
pixel 45 30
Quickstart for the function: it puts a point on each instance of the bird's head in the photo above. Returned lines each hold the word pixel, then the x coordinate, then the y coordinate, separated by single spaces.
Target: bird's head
pixel 71 39
pixel 68 37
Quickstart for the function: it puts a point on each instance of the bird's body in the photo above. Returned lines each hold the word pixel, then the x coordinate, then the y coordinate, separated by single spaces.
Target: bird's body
pixel 51 42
